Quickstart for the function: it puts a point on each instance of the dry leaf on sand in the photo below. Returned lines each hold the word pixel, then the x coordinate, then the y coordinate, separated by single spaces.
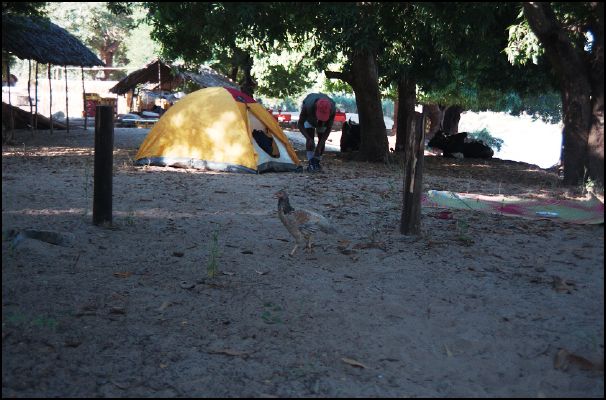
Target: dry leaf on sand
pixel 353 363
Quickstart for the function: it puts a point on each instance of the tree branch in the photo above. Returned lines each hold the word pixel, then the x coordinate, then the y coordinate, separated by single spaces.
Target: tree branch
pixel 558 47
pixel 338 75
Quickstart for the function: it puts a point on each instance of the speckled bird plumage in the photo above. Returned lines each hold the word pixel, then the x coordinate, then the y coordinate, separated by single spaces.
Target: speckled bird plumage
pixel 301 224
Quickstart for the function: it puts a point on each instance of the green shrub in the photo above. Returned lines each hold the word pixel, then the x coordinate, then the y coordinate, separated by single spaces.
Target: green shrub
pixel 487 138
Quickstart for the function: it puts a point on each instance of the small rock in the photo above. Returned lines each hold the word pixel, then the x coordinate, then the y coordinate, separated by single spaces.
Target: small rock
pixel 186 285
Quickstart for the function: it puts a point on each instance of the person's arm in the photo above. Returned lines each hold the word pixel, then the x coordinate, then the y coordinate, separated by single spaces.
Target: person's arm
pixel 302 119
pixel 329 123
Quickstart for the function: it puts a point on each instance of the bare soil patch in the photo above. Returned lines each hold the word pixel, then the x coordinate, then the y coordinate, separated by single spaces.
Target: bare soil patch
pixel 476 306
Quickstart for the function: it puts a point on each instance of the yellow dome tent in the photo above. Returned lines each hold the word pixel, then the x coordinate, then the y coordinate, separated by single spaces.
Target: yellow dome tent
pixel 221 129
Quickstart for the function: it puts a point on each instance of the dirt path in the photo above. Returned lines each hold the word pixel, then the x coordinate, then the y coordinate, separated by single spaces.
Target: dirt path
pixel 477 306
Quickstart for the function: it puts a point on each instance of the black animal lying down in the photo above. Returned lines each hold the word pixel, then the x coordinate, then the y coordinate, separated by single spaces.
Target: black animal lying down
pixel 456 146
pixel 350 136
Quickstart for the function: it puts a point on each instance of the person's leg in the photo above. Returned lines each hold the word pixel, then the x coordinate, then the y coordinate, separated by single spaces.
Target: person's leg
pixel 322 137
pixel 310 144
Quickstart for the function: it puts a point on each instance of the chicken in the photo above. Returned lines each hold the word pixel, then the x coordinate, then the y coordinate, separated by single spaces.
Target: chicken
pixel 301 224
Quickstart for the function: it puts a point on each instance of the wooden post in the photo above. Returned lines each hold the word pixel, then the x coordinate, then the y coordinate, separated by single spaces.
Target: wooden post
pixel 36 98
pixel 10 108
pixel 84 99
pixel 104 146
pixel 394 128
pixel 413 179
pixel 50 101
pixel 159 78
pixel 66 99
pixel 29 96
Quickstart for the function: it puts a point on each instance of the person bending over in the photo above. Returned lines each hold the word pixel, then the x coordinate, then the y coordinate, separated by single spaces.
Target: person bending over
pixel 317 116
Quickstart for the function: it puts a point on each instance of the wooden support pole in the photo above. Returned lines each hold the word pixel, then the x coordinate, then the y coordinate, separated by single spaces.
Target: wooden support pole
pixel 11 116
pixel 413 179
pixel 104 146
pixel 66 99
pixel 84 100
pixel 29 96
pixel 36 100
pixel 159 77
pixel 50 100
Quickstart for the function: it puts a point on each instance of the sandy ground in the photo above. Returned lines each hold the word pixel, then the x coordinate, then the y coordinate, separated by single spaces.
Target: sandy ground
pixel 476 306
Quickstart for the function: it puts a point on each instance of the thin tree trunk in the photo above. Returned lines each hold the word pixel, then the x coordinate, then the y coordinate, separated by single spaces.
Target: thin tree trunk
pixel 248 84
pixel 50 103
pixel 66 99
pixel 84 99
pixel 410 223
pixel 107 55
pixel 452 116
pixel 11 116
pixel 394 128
pixel 233 73
pixel 159 75
pixel 407 96
pixel 29 96
pixel 435 115
pixel 7 136
pixel 36 99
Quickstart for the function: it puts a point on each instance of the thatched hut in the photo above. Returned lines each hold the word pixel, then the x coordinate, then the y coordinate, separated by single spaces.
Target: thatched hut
pixel 161 76
pixel 169 77
pixel 38 39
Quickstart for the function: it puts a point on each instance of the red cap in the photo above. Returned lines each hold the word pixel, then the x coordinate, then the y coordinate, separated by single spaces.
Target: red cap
pixel 323 109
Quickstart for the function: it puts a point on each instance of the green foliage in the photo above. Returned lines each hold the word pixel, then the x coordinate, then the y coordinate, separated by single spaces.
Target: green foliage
pixel 345 103
pixel 337 86
pixel 287 104
pixel 284 80
pixel 140 47
pixel 229 37
pixel 546 107
pixel 487 138
pixel 523 45
pixel 575 19
pixel 456 54
pixel 98 28
pixel 27 8
pixel 463 234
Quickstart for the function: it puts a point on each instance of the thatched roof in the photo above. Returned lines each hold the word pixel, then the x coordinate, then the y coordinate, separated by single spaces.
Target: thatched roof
pixel 31 38
pixel 171 77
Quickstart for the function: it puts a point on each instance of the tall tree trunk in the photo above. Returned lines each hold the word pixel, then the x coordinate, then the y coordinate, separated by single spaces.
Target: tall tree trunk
pixel 364 80
pixel 452 116
pixel 582 114
pixel 394 128
pixel 374 146
pixel 414 150
pixel 248 85
pixel 29 96
pixel 108 58
pixel 407 96
pixel 595 159
pixel 107 53
pixel 435 114
pixel 233 73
